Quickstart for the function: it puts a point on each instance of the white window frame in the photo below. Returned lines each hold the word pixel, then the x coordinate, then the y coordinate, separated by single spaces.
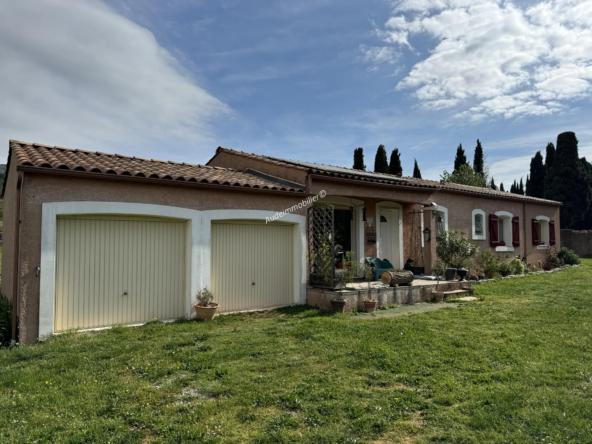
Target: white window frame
pixel 476 236
pixel 506 218
pixel 543 232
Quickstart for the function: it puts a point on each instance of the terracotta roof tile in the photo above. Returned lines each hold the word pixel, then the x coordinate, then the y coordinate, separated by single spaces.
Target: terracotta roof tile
pixel 382 178
pixel 59 158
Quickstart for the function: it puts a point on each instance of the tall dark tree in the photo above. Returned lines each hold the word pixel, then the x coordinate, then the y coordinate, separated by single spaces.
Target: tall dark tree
pixel 492 184
pixel 502 186
pixel 521 187
pixel 380 162
pixel 416 172
pixel 586 223
pixel 460 158
pixel 566 181
pixel 479 161
pixel 526 184
pixel 549 156
pixel 535 185
pixel 359 159
pixel 395 163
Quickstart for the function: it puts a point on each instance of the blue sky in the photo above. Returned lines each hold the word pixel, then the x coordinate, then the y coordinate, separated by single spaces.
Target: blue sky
pixel 309 80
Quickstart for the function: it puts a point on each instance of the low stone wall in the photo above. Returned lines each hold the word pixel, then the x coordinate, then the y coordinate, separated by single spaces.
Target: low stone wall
pixel 578 241
pixel 385 296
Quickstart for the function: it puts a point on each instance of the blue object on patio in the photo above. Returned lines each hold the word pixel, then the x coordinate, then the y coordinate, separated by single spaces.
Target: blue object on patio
pixel 380 266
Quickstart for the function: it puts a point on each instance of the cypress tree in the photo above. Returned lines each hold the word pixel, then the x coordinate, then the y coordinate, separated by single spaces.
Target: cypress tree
pixel 526 184
pixel 380 162
pixel 566 181
pixel 479 161
pixel 502 186
pixel 513 187
pixel 492 184
pixel 395 163
pixel 521 187
pixel 586 223
pixel 416 172
pixel 359 159
pixel 549 156
pixel 460 158
pixel 535 184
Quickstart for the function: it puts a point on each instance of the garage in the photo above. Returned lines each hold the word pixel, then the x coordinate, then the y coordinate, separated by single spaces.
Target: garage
pixel 118 270
pixel 252 265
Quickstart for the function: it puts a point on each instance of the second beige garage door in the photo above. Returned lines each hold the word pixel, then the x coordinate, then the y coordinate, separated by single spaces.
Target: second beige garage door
pixel 119 271
pixel 252 265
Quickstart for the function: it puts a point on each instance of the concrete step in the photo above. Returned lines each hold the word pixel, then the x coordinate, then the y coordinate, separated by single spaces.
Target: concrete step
pixel 458 292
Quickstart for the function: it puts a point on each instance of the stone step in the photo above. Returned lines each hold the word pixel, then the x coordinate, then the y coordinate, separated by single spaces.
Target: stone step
pixel 458 292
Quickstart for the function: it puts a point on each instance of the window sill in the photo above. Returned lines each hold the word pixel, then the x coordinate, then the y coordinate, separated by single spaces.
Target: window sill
pixel 542 247
pixel 504 248
pixel 479 237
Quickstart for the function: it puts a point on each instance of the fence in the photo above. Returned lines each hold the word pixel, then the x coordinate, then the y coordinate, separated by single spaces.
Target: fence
pixel 578 241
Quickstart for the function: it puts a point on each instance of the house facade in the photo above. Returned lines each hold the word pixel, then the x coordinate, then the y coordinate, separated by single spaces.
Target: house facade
pixel 94 239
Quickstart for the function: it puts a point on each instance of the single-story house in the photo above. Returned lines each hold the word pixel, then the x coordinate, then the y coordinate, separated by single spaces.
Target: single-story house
pixel 94 239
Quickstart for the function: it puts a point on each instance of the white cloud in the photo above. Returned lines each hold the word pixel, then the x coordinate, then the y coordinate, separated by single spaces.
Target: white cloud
pixel 495 58
pixel 78 74
pixel 377 55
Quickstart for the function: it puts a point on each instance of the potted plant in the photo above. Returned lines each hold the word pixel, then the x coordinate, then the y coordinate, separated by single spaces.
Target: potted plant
pixel 205 309
pixel 367 269
pixel 439 268
pixel 455 250
pixel 346 276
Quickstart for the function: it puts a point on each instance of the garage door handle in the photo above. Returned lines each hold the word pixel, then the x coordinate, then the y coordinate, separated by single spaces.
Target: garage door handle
pixel 253 283
pixel 125 292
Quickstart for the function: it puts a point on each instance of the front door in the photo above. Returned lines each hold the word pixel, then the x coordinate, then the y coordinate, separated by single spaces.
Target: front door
pixel 389 236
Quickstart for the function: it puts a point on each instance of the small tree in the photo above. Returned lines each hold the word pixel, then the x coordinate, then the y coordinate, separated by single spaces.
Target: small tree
pixel 465 175
pixel 455 249
pixel 461 157
pixel 380 162
pixel 416 172
pixel 502 186
pixel 535 185
pixel 492 184
pixel 395 163
pixel 359 159
pixel 479 161
pixel 521 187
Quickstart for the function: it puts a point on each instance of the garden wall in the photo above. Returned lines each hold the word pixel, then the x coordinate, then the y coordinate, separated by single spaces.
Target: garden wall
pixel 578 241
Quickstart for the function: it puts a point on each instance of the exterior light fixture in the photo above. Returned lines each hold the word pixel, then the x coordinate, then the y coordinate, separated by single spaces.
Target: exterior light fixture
pixel 427 235
pixel 364 214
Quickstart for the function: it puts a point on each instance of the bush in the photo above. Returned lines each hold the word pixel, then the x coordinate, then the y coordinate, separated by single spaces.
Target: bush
pixel 455 249
pixel 516 266
pixel 568 256
pixel 489 264
pixel 505 269
pixel 553 260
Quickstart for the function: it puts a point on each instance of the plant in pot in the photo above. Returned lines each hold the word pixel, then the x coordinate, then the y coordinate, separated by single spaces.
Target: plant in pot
pixel 455 250
pixel 346 276
pixel 367 270
pixel 439 268
pixel 205 309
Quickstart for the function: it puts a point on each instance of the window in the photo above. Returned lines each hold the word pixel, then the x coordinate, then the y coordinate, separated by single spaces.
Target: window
pixel 478 223
pixel 439 225
pixel 541 233
pixel 500 230
pixel 507 232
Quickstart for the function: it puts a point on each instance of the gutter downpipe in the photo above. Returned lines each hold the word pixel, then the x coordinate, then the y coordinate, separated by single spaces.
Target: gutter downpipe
pixel 524 229
pixel 17 265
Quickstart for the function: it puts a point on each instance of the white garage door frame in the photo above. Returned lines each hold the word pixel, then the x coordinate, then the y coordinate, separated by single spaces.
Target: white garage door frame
pixel 199 236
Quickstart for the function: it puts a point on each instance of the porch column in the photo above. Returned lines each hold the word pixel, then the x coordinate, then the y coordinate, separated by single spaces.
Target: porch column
pixel 370 225
pixel 429 250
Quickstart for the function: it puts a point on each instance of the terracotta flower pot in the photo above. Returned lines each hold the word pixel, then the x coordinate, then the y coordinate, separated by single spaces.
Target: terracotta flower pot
pixel 370 306
pixel 337 306
pixel 205 313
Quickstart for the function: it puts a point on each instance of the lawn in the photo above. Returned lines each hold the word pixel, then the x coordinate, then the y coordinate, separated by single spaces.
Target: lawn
pixel 515 366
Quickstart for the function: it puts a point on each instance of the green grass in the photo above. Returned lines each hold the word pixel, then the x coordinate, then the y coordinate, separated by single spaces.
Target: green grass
pixel 514 367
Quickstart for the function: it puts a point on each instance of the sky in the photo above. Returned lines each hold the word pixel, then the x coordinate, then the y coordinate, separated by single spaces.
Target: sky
pixel 308 80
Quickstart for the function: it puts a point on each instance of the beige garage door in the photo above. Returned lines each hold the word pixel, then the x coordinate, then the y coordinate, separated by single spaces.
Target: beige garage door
pixel 252 265
pixel 118 271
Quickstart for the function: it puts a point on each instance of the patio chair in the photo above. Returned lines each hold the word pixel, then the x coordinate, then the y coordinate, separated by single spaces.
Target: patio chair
pixel 380 266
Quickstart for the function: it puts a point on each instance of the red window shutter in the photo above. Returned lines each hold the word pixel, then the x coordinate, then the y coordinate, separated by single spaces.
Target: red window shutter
pixel 552 232
pixel 536 237
pixel 515 231
pixel 493 231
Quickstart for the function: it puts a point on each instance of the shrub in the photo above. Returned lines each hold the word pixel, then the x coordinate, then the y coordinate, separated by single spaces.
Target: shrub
pixel 516 266
pixel 568 256
pixel 455 249
pixel 505 269
pixel 204 297
pixel 552 260
pixel 489 264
